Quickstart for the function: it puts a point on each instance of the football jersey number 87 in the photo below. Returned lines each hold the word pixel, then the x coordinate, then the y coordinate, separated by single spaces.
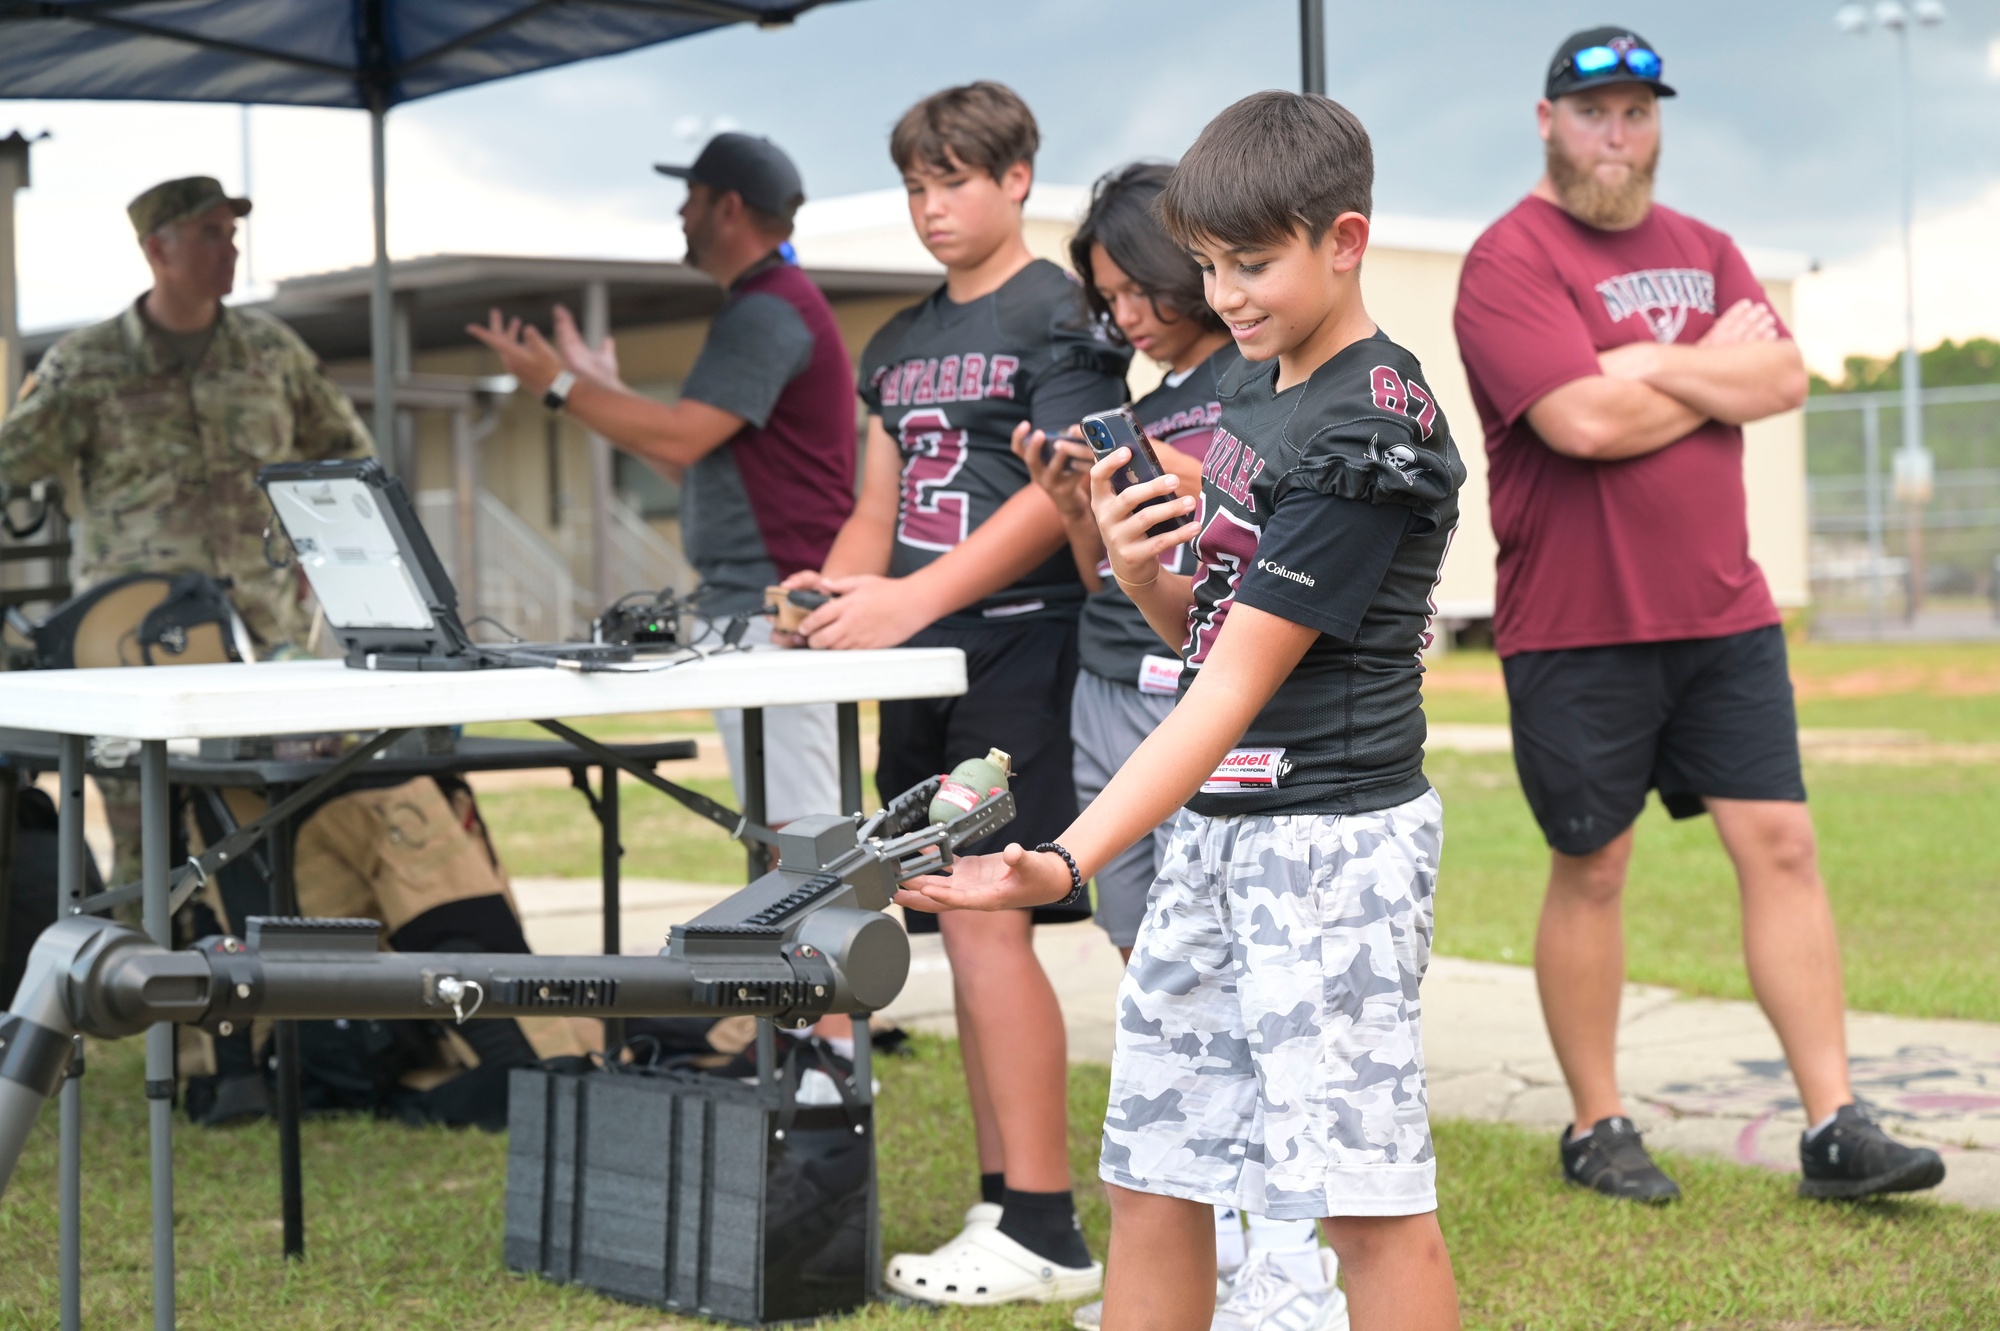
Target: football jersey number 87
pixel 929 516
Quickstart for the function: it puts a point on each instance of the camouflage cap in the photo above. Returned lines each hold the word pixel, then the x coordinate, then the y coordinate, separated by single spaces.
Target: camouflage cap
pixel 176 200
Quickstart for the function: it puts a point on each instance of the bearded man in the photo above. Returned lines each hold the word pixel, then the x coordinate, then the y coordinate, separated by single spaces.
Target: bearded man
pixel 1615 350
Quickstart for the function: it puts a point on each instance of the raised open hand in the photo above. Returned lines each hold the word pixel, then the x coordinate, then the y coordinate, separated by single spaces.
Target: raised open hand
pixel 1015 879
pixel 599 363
pixel 521 348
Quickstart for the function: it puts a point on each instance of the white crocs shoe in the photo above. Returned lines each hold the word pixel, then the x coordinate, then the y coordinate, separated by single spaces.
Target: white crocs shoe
pixel 982 1266
pixel 1264 1298
pixel 981 1215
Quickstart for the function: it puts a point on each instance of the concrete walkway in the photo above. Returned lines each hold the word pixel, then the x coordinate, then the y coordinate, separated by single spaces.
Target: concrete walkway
pixel 1701 1075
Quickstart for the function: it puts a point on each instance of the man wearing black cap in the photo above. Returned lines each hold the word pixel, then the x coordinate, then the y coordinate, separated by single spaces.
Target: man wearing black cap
pixel 1615 350
pixel 762 437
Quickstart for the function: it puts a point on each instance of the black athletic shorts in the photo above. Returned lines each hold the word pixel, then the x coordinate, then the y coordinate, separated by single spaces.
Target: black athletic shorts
pixel 1018 679
pixel 1595 728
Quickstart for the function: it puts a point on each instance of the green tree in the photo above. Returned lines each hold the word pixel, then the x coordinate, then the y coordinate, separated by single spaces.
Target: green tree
pixel 1949 364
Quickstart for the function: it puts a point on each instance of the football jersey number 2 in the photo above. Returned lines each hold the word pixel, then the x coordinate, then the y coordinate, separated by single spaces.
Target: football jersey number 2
pixel 929 516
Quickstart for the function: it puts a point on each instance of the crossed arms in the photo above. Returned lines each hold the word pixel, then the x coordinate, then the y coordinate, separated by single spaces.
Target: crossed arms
pixel 1647 395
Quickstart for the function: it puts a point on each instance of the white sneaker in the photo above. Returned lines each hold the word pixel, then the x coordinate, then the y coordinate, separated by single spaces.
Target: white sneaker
pixel 982 1266
pixel 1265 1298
pixel 1090 1317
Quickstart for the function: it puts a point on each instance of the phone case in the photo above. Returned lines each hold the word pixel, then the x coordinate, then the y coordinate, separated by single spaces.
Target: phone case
pixel 1109 431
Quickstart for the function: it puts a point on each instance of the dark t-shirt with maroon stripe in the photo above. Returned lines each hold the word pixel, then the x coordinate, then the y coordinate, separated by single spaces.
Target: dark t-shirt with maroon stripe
pixel 950 382
pixel 1329 504
pixel 769 501
pixel 1114 639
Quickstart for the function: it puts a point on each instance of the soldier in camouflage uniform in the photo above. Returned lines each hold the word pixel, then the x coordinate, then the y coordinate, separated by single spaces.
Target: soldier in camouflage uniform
pixel 157 421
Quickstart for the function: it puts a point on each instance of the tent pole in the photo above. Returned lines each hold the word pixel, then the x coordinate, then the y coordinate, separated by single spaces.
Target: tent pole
pixel 380 337
pixel 1312 46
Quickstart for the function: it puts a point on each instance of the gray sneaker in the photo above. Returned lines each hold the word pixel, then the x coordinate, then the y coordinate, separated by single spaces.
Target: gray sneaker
pixel 1265 1298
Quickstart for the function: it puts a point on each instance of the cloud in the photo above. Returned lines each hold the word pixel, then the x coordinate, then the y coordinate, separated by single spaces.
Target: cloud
pixel 1855 307
pixel 310 181
pixel 1802 152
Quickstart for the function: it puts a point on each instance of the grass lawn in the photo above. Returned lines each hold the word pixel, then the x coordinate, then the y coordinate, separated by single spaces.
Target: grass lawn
pixel 1917 893
pixel 1948 691
pixel 634 728
pixel 1915 889
pixel 404 1227
pixel 549 832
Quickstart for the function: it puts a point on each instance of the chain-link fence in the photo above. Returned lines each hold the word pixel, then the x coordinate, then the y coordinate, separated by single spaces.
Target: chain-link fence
pixel 1880 551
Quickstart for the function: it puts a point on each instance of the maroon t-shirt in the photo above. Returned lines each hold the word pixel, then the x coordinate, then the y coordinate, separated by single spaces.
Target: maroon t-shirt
pixel 1646 549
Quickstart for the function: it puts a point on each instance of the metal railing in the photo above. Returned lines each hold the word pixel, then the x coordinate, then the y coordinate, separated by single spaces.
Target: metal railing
pixel 524 582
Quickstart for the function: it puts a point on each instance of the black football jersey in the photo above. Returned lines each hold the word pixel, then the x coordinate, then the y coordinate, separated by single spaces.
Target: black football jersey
pixel 1114 641
pixel 1330 504
pixel 951 381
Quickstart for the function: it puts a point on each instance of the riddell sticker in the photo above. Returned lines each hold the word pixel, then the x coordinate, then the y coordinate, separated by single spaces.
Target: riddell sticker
pixel 1247 769
pixel 1160 674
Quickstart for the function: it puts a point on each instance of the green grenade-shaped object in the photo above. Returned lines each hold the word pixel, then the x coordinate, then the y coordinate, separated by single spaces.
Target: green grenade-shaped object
pixel 970 782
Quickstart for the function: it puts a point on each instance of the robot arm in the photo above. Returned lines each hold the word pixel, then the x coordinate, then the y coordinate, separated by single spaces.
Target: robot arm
pixel 804 940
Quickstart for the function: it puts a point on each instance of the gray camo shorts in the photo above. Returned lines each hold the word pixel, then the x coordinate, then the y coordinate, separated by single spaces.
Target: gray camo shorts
pixel 1268 1053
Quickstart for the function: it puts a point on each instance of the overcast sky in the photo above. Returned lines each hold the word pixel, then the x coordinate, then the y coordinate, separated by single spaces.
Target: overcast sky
pixel 1786 132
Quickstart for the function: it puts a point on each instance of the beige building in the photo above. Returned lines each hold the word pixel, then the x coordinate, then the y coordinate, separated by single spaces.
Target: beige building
pixel 512 489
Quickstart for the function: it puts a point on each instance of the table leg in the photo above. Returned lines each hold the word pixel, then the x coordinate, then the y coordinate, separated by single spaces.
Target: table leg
pixel 153 842
pixel 285 1037
pixel 610 860
pixel 69 1168
pixel 864 1091
pixel 847 719
pixel 753 783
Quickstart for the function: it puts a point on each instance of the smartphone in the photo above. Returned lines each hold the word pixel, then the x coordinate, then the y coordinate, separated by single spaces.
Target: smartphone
pixel 1051 454
pixel 1109 431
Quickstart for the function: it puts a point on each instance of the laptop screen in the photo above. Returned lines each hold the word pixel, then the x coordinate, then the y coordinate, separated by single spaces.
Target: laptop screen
pixel 350 553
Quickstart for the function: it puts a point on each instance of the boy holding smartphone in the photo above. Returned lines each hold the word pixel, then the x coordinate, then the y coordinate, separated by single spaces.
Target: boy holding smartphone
pixel 950 545
pixel 1268 1051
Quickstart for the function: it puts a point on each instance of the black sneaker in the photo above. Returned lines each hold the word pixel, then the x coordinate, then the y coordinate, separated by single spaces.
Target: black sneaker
pixel 1612 1160
pixel 1853 1157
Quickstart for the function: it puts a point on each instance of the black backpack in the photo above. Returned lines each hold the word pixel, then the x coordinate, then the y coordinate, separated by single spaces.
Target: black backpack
pixel 31 900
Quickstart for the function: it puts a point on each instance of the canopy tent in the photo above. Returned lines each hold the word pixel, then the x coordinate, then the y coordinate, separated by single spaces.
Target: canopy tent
pixel 368 54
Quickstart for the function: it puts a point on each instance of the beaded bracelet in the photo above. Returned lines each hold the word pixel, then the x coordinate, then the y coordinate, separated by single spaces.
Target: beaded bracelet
pixel 1075 878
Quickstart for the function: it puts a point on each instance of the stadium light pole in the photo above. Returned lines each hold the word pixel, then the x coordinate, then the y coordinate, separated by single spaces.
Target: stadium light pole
pixel 1913 465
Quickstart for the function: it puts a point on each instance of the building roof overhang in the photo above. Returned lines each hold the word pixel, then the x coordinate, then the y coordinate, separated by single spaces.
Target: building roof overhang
pixel 441 293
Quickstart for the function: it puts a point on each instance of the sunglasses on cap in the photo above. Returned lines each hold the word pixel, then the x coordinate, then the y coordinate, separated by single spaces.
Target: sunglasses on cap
pixel 1593 61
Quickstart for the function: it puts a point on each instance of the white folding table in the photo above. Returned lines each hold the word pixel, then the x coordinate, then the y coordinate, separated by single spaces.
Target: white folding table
pixel 156 706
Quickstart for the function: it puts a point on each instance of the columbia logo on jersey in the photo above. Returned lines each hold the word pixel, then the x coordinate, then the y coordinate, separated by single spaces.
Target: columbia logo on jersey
pixel 1277 570
pixel 1660 296
pixel 1232 466
pixel 966 378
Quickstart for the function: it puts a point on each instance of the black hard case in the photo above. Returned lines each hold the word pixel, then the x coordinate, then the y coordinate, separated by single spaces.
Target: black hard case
pixel 692 1193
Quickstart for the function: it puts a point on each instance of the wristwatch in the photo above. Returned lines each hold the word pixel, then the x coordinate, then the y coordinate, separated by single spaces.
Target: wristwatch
pixel 556 396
